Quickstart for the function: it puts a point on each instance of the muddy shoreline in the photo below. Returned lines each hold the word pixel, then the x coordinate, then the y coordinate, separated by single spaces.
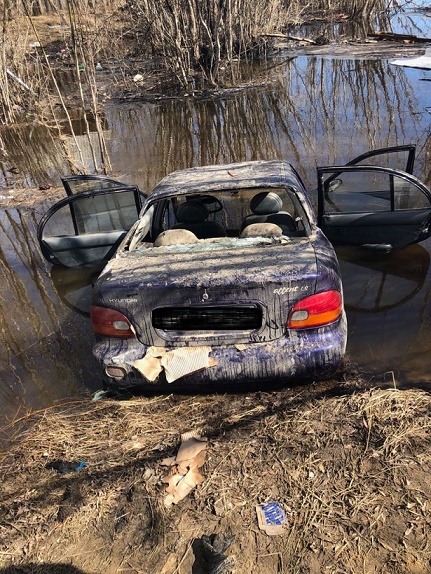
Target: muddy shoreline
pixel 348 465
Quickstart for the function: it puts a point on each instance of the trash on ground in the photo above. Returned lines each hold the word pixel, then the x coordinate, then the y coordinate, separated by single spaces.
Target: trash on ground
pixel 63 467
pixel 211 558
pixel 271 518
pixel 184 474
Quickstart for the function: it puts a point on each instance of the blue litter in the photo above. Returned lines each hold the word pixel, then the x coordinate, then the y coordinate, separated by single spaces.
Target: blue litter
pixel 273 513
pixel 271 518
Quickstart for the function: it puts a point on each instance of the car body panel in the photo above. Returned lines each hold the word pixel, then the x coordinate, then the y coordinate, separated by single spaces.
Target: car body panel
pixel 256 274
pixel 222 273
pixel 283 361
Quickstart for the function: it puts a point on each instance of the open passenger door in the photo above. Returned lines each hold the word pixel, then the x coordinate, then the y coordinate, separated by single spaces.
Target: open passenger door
pixel 374 206
pixel 87 227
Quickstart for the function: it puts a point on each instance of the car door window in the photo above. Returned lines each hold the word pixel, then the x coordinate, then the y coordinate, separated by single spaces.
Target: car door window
pixel 374 206
pixel 88 228
pixel 397 157
pixel 105 212
pixel 75 184
pixel 365 191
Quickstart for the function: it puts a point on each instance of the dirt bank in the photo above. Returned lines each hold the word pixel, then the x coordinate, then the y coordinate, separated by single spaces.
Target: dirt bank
pixel 350 468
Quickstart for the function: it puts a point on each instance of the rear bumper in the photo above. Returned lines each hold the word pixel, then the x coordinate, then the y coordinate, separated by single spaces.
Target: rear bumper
pixel 301 355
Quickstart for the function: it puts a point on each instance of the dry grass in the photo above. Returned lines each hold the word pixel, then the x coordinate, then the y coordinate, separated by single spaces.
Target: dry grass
pixel 351 471
pixel 200 42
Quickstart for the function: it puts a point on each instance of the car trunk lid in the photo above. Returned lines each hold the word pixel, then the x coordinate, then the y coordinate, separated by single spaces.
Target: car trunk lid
pixel 209 296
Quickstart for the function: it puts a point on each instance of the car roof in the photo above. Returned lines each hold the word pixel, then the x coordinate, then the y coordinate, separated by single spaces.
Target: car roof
pixel 209 178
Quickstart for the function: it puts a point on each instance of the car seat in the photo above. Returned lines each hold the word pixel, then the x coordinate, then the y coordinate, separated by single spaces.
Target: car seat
pixel 192 215
pixel 266 207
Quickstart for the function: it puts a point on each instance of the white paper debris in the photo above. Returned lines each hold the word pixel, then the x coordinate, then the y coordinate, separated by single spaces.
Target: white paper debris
pixel 423 62
pixel 184 474
pixel 181 362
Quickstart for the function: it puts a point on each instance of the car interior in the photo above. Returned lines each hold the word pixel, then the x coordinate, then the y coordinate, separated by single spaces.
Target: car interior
pixel 228 213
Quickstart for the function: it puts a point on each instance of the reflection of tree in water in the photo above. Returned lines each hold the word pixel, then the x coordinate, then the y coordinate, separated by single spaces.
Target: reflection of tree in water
pixel 383 19
pixel 39 359
pixel 350 106
pixel 34 151
pixel 20 267
pixel 311 111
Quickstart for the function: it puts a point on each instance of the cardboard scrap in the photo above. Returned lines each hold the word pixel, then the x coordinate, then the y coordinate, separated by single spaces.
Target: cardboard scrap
pixel 271 518
pixel 181 362
pixel 241 347
pixel 190 448
pixel 177 363
pixel 184 475
pixel 150 365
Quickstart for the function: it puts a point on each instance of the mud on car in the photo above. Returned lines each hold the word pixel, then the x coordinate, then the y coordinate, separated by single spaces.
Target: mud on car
pixel 226 276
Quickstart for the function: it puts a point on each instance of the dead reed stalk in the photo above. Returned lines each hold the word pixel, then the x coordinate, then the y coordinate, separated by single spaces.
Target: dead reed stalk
pixel 198 41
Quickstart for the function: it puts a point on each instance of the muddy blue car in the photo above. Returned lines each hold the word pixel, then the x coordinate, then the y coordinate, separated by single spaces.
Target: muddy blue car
pixel 225 276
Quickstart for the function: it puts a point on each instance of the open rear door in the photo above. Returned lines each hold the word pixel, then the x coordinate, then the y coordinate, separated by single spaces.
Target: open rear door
pixel 374 206
pixel 87 228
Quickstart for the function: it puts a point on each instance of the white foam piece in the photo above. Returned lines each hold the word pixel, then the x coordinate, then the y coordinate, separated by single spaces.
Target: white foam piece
pixel 423 62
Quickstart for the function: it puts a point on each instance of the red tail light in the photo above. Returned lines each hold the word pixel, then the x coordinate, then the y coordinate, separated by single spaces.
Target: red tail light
pixel 316 310
pixel 110 323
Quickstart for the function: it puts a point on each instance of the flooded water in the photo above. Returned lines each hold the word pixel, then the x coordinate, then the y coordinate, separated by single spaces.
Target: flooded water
pixel 310 110
pixel 45 351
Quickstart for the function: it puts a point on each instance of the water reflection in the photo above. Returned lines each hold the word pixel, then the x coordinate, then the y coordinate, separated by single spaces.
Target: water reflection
pixel 382 281
pixel 388 308
pixel 34 155
pixel 408 18
pixel 313 111
pixel 309 110
pixel 73 287
pixel 45 349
